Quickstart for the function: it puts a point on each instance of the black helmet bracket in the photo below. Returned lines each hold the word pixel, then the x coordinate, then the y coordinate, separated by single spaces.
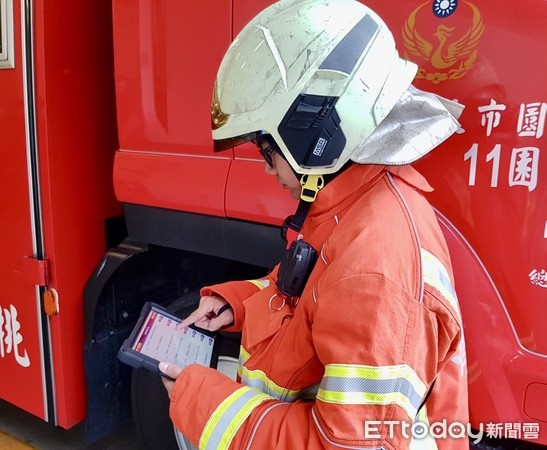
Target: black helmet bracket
pixel 311 130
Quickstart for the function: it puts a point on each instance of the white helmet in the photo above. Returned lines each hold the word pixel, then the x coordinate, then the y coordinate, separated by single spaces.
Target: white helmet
pixel 317 75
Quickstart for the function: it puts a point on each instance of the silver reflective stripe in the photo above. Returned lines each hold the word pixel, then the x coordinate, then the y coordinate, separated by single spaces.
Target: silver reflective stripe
pixel 436 276
pixel 372 385
pixel 358 385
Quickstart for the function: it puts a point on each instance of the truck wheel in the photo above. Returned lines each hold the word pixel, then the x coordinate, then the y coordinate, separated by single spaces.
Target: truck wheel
pixel 487 443
pixel 149 399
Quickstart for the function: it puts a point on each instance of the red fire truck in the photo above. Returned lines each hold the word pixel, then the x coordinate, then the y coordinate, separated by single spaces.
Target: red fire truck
pixel 111 195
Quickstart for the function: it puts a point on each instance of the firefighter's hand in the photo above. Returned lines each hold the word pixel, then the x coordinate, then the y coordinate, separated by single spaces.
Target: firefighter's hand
pixel 170 372
pixel 212 314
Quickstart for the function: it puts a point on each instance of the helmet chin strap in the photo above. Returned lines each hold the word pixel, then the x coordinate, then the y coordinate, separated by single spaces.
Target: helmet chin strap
pixel 311 185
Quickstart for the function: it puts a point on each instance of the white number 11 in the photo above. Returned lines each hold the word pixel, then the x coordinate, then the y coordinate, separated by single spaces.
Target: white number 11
pixel 495 155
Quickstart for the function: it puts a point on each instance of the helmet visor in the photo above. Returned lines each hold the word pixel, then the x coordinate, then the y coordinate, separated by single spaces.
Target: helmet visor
pixel 220 145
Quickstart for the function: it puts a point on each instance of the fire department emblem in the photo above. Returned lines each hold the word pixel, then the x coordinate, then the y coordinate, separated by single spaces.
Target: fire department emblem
pixel 443 8
pixel 446 51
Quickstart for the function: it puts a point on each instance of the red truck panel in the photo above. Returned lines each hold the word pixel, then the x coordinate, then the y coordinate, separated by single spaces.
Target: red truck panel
pixel 489 179
pixel 165 54
pixel 76 138
pixel 20 362
pixel 172 181
pixel 76 143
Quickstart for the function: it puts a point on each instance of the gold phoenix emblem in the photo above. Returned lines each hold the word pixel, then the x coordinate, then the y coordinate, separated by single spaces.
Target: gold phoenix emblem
pixel 218 118
pixel 450 60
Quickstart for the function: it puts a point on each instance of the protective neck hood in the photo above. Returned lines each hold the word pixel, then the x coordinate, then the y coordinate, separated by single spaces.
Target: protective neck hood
pixel 417 124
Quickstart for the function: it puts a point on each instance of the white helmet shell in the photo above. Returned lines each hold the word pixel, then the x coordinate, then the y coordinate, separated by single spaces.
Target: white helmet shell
pixel 317 75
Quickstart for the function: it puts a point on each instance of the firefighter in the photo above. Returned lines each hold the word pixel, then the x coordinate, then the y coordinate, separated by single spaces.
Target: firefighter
pixel 369 351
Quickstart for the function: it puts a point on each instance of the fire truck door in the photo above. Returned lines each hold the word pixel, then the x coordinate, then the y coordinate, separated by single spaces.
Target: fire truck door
pixel 24 342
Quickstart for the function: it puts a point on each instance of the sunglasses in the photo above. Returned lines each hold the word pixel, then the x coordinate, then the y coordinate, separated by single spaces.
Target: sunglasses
pixel 266 152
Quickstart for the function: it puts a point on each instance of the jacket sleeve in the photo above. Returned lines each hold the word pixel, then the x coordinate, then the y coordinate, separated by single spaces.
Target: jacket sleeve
pixel 381 351
pixel 235 292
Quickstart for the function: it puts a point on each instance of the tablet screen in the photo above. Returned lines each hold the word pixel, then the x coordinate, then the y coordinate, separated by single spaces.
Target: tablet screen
pixel 159 339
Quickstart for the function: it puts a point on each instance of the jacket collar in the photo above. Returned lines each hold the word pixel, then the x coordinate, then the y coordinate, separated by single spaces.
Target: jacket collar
pixel 352 183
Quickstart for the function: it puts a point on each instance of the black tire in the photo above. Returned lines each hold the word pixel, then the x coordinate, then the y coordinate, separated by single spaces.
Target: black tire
pixel 149 399
pixel 487 443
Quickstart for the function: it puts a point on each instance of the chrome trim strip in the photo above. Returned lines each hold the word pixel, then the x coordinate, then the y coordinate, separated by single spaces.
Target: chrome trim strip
pixel 27 50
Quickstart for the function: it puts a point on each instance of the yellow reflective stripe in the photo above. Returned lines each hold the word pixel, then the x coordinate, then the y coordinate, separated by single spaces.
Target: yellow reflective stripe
pixel 436 275
pixel 370 385
pixel 217 415
pixel 238 419
pixel 244 355
pixel 258 379
pixel 260 283
pixel 367 398
pixel 228 418
pixel 243 358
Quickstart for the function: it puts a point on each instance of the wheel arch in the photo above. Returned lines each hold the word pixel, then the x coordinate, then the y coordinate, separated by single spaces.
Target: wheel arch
pixel 499 367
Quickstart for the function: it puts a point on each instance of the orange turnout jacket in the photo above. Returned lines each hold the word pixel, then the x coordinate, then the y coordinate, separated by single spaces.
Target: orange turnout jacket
pixel 349 366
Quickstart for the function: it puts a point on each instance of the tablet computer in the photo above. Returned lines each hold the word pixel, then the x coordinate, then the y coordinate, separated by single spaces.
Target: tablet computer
pixel 155 338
